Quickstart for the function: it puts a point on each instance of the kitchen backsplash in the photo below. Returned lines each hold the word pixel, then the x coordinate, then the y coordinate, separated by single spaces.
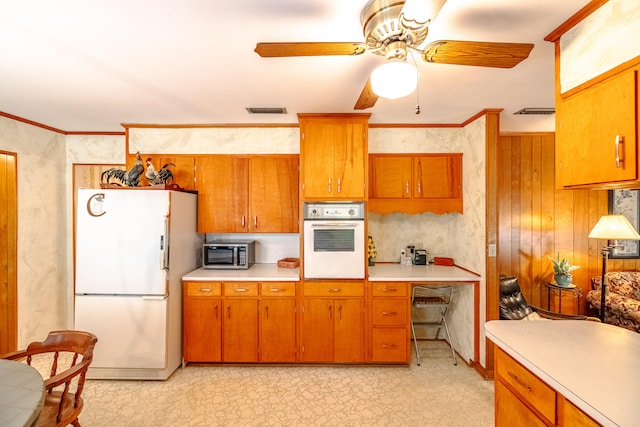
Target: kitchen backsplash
pixel 269 247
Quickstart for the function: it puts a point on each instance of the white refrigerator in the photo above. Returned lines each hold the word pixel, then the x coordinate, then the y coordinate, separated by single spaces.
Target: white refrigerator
pixel 132 248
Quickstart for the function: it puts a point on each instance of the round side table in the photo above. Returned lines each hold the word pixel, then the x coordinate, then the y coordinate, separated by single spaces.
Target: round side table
pixel 552 287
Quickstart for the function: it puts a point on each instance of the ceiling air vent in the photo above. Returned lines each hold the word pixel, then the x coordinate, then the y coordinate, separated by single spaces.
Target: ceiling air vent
pixel 538 111
pixel 267 110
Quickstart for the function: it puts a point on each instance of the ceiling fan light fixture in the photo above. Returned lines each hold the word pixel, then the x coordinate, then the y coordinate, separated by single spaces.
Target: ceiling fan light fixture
pixel 394 79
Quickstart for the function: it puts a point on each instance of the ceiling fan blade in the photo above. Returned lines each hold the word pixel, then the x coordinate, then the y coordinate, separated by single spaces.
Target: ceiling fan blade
pixel 481 54
pixel 367 98
pixel 271 50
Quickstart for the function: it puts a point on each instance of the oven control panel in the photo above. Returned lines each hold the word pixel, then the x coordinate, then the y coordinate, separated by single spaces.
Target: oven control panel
pixel 334 210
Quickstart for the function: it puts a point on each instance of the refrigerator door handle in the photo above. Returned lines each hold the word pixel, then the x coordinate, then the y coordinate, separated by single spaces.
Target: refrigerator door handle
pixel 164 247
pixel 154 297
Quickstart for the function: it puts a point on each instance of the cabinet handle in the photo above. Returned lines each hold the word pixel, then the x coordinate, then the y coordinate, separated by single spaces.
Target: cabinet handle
pixel 519 381
pixel 329 185
pixel 216 310
pixel 339 185
pixel 205 289
pixel 333 289
pixel 389 313
pixel 228 312
pixel 619 140
pixel 340 312
pixel 330 312
pixel 406 187
pixel 266 311
pixel 419 187
pixel 255 221
pixel 389 290
pixel 241 289
pixel 275 289
pixel 243 221
pixel 388 346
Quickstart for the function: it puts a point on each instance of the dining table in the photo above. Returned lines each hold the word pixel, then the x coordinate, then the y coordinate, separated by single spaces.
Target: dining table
pixel 21 394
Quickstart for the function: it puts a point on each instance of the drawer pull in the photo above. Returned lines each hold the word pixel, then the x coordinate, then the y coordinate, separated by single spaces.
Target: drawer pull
pixel 276 290
pixel 204 289
pixel 519 381
pixel 389 289
pixel 334 290
pixel 389 346
pixel 241 289
pixel 389 313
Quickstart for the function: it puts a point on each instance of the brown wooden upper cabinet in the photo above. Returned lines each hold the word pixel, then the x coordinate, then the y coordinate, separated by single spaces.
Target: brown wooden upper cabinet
pixel 333 152
pixel 596 133
pixel 415 183
pixel 247 194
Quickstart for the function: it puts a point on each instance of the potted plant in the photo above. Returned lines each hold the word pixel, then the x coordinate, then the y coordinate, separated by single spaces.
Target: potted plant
pixel 562 270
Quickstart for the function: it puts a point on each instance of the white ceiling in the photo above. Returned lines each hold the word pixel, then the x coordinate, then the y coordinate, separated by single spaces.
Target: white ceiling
pixel 79 65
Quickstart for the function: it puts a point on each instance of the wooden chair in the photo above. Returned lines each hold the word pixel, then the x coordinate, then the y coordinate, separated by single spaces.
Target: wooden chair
pixel 63 389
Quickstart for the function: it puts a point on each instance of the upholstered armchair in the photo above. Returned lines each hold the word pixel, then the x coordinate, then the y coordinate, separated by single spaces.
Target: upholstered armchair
pixel 622 300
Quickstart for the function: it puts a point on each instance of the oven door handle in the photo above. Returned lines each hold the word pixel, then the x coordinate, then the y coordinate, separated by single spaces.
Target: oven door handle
pixel 335 224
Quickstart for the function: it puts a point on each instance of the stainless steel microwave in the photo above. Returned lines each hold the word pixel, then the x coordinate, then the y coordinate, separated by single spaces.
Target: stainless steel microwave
pixel 237 255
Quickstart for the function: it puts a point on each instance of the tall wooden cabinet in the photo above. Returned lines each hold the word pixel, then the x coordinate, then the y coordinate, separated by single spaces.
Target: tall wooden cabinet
pixel 333 153
pixel 415 183
pixel 332 322
pixel 256 194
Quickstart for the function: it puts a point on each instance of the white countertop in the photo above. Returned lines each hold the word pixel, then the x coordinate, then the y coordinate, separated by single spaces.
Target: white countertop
pixel 594 365
pixel 261 272
pixel 422 273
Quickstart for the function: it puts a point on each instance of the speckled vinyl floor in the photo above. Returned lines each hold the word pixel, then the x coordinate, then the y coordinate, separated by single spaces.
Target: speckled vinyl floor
pixel 437 393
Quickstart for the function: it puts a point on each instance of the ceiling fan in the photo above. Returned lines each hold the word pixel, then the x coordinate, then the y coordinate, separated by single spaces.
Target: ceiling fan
pixel 393 28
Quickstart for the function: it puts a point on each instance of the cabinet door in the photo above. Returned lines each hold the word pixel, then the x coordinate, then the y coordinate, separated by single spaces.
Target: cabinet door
pixel 510 411
pixel 317 330
pixel 240 330
pixel 278 330
pixel 390 177
pixel 202 329
pixel 588 125
pixel 348 331
pixel 273 195
pixel 349 160
pixel 183 170
pixel 317 158
pixel 437 176
pixel 222 183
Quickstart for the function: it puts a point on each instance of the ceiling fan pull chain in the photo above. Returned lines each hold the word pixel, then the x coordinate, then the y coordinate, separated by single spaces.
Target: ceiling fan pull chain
pixel 417 83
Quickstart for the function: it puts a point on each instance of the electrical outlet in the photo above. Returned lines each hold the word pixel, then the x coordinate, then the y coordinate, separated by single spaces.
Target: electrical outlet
pixel 492 249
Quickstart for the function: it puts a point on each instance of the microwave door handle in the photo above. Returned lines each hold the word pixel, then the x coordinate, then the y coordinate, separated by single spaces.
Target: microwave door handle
pixel 335 224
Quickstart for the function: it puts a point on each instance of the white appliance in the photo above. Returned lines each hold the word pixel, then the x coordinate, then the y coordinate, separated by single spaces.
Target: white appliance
pixel 334 240
pixel 132 248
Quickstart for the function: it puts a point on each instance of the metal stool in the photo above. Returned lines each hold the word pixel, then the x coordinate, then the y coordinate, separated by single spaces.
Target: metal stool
pixel 426 300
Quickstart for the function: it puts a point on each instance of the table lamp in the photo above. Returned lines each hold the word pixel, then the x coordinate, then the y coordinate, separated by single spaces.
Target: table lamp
pixel 611 227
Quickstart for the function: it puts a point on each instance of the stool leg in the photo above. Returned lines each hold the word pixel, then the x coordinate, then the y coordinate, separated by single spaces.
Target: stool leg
pixel 415 343
pixel 446 329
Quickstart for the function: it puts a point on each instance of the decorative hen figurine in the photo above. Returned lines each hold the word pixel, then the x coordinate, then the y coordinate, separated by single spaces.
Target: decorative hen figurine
pixel 130 178
pixel 163 176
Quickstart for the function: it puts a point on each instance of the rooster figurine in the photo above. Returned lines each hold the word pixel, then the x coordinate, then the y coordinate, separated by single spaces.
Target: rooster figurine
pixel 130 178
pixel 163 176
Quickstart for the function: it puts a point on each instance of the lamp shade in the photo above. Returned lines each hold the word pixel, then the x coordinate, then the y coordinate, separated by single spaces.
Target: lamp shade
pixel 614 227
pixel 394 79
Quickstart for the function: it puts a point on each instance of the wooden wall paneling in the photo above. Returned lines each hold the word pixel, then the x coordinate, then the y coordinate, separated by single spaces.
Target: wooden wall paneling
pixel 547 208
pixel 504 206
pixel 525 257
pixel 514 164
pixel 8 253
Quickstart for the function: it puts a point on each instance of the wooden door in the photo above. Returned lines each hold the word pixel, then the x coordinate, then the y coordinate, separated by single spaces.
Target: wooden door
pixel 390 177
pixel 317 330
pixel 317 158
pixel 223 202
pixel 273 194
pixel 240 330
pixel 437 176
pixel 349 160
pixel 202 329
pixel 8 253
pixel 587 126
pixel 348 339
pixel 278 330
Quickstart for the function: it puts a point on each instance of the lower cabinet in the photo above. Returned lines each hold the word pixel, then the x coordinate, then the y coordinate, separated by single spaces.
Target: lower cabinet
pixel 238 322
pixel 332 322
pixel 521 398
pixel 389 312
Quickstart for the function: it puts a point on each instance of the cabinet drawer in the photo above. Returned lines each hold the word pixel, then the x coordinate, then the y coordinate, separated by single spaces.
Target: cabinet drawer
pixel 389 345
pixel 389 289
pixel 391 312
pixel 240 289
pixel 278 289
pixel 526 385
pixel 203 289
pixel 334 289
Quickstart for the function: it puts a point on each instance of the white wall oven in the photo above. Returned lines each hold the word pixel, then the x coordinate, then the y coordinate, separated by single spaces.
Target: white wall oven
pixel 334 240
